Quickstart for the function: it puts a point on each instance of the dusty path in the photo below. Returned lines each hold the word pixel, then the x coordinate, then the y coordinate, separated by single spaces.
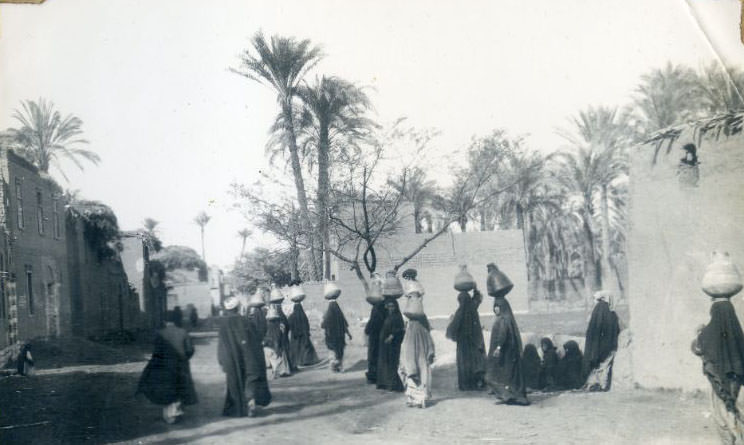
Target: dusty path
pixel 316 406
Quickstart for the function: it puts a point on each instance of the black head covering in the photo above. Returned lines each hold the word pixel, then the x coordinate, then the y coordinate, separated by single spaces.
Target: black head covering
pixel 546 341
pixel 505 311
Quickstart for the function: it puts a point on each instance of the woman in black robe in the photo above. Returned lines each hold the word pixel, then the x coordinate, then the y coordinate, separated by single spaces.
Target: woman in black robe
pixel 285 334
pixel 391 336
pixel 531 366
pixel 257 316
pixel 241 356
pixel 548 365
pixel 372 331
pixel 504 365
pixel 720 344
pixel 301 349
pixel 465 329
pixel 601 339
pixel 336 329
pixel 166 380
pixel 569 367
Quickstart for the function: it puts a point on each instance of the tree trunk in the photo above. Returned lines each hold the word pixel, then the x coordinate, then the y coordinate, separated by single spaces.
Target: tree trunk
pixel 607 281
pixel 323 191
pixel 300 186
pixel 204 256
pixel 590 262
pixel 483 220
pixel 417 218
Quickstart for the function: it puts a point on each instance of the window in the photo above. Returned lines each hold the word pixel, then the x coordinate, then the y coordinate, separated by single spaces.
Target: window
pixel 55 218
pixel 39 213
pixel 30 289
pixel 19 201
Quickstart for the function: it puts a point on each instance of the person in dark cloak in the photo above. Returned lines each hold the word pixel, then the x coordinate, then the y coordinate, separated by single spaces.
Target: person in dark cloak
pixel 391 336
pixel 601 342
pixel 301 349
pixel 166 380
pixel 276 345
pixel 504 365
pixel 720 344
pixel 336 329
pixel 569 374
pixel 531 366
pixel 548 365
pixel 372 331
pixel 465 329
pixel 257 314
pixel 285 334
pixel 240 354
pixel 177 316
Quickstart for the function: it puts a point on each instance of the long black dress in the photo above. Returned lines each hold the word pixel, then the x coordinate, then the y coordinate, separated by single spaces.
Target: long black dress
pixel 372 331
pixel 466 330
pixel 504 365
pixel 549 365
pixel 531 366
pixel 301 349
pixel 569 367
pixel 283 319
pixel 167 377
pixel 258 317
pixel 601 336
pixel 389 351
pixel 241 357
pixel 335 326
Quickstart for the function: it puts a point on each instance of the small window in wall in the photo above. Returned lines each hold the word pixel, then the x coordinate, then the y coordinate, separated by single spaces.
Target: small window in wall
pixel 19 201
pixel 55 218
pixel 30 289
pixel 39 213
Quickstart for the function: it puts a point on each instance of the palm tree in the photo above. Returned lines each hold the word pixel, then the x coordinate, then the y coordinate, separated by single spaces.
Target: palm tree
pixel 417 190
pixel 336 109
pixel 721 89
pixel 201 220
pixel 46 137
pixel 281 64
pixel 595 162
pixel 243 234
pixel 666 97
pixel 150 225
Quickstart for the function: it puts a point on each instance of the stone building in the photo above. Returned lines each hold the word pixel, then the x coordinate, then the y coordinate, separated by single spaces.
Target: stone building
pixel 146 278
pixel 679 213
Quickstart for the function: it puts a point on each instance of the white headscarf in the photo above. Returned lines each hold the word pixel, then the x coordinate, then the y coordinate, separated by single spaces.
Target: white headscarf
pixel 607 297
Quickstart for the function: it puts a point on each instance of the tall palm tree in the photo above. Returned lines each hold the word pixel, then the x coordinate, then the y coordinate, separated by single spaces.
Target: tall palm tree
pixel 721 89
pixel 418 190
pixel 150 225
pixel 596 160
pixel 46 137
pixel 243 234
pixel 280 64
pixel 336 109
pixel 201 220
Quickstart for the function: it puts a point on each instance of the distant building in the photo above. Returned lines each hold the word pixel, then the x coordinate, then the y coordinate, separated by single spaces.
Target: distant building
pixel 146 278
pixel 185 288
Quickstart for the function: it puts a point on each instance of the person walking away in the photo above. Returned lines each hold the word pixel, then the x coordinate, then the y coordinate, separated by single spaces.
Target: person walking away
pixel 417 350
pixel 720 344
pixel 548 365
pixel 276 346
pixel 374 325
pixel 166 380
pixel 241 357
pixel 335 326
pixel 568 375
pixel 391 336
pixel 465 329
pixel 504 365
pixel 301 349
pixel 276 300
pixel 256 314
pixel 531 367
pixel 601 343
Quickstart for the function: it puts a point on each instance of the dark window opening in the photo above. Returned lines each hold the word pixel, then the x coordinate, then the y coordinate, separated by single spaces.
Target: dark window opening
pixel 39 213
pixel 30 289
pixel 19 202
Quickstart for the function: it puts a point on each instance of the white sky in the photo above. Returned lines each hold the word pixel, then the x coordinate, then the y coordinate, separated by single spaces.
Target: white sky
pixel 174 127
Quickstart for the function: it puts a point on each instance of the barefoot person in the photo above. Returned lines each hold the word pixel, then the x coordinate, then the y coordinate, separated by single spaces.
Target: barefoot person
pixel 720 344
pixel 166 379
pixel 301 349
pixel 276 345
pixel 336 328
pixel 241 357
pixel 391 336
pixel 417 350
pixel 465 329
pixel 504 366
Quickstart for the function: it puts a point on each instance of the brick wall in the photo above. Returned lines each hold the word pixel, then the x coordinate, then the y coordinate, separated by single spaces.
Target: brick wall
pixel 673 231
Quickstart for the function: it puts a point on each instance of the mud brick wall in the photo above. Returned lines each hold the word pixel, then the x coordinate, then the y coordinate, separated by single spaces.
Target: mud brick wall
pixel 674 228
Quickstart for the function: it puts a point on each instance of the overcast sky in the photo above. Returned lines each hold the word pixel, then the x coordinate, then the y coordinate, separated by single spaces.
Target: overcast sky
pixel 175 128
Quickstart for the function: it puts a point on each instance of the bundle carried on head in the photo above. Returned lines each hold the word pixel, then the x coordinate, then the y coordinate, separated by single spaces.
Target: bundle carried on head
pixel 276 295
pixel 374 293
pixel 296 292
pixel 331 291
pixel 464 282
pixel 722 278
pixel 257 299
pixel 392 287
pixel 498 283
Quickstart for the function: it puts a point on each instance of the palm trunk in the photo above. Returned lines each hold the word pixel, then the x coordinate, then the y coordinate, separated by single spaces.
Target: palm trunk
pixel 323 190
pixel 606 271
pixel 300 186
pixel 590 262
pixel 204 256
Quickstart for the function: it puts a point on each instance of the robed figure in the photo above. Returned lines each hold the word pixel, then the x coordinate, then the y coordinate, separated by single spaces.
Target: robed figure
pixel 276 344
pixel 601 343
pixel 569 375
pixel 336 329
pixel 257 316
pixel 548 365
pixel 416 354
pixel 372 331
pixel 391 336
pixel 241 356
pixel 301 349
pixel 285 333
pixel 465 329
pixel 166 380
pixel 504 365
pixel 531 366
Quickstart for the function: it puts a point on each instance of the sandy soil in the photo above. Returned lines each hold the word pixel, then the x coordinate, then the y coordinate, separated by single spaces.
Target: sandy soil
pixel 95 404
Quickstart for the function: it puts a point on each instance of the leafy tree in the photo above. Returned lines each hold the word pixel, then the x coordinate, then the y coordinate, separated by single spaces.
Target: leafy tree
pixel 243 234
pixel 182 257
pixel 721 89
pixel 417 190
